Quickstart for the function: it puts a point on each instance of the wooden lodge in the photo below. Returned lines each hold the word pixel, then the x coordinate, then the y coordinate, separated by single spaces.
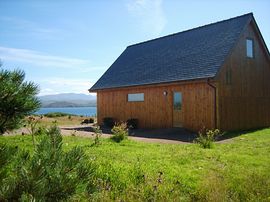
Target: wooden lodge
pixel 213 76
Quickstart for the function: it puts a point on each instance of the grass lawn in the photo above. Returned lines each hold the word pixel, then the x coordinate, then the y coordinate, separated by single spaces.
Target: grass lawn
pixel 238 170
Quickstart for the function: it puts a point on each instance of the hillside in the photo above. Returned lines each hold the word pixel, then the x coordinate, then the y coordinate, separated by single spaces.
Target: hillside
pixel 68 100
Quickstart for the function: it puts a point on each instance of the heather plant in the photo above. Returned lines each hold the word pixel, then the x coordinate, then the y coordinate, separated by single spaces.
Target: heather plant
pixel 207 137
pixel 120 132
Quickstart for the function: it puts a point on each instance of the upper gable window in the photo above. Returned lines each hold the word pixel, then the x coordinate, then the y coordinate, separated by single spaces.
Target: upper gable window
pixel 249 47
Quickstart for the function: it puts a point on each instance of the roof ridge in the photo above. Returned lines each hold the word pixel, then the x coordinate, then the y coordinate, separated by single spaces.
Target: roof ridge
pixel 169 35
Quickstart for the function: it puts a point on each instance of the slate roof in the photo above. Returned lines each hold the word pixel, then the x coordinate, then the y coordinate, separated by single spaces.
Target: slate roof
pixel 193 54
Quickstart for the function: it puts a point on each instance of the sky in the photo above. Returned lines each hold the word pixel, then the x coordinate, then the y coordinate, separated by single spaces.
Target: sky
pixel 65 46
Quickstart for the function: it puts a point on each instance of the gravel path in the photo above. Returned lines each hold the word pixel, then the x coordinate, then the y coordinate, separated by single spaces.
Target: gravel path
pixel 79 131
pixel 167 136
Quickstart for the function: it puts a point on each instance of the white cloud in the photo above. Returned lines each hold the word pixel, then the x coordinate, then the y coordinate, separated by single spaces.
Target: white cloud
pixel 45 60
pixel 149 15
pixel 30 27
pixel 47 91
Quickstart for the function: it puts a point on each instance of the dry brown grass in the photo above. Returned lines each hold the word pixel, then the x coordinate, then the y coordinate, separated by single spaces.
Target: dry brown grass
pixel 62 121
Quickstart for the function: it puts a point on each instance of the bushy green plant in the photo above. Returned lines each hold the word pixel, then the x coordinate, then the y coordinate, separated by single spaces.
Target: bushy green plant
pixel 50 174
pixel 17 99
pixel 120 132
pixel 207 137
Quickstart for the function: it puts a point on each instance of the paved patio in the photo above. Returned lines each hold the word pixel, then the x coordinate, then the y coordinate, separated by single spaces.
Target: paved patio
pixel 164 135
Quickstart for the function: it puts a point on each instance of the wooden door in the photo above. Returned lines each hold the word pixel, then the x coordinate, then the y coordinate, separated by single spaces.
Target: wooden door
pixel 177 109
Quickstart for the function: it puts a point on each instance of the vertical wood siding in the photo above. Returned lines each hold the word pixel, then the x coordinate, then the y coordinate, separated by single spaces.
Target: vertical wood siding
pixel 156 111
pixel 245 103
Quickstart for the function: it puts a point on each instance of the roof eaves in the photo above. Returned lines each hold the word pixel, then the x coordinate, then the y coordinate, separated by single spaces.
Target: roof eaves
pixel 150 83
pixel 261 37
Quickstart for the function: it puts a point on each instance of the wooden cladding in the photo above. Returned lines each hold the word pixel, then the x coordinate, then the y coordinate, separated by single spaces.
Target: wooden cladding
pixel 156 111
pixel 245 103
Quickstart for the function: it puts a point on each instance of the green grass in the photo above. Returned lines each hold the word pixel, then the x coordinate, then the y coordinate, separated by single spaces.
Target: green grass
pixel 237 170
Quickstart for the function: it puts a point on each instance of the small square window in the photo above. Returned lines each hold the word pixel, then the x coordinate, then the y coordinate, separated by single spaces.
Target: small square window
pixel 249 47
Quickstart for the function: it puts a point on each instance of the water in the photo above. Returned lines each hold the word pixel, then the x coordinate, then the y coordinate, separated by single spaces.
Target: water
pixel 84 111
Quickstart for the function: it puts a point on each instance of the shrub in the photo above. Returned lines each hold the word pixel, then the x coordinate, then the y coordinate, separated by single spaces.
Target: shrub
pixel 91 120
pixel 50 174
pixel 120 132
pixel 133 123
pixel 86 121
pixel 207 137
pixel 108 122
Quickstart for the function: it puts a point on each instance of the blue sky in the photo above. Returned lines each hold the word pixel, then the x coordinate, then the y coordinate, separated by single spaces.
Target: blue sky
pixel 65 46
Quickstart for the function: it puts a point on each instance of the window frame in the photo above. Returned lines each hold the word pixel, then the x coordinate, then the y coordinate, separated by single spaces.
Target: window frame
pixel 134 99
pixel 175 107
pixel 252 48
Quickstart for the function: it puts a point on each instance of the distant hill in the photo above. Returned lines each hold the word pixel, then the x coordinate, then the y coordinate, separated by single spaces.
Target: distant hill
pixel 68 100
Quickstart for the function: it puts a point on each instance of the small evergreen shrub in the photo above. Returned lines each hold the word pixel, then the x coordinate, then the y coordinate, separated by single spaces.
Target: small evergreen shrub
pixel 120 132
pixel 207 137
pixel 108 122
pixel 49 174
pixel 132 123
